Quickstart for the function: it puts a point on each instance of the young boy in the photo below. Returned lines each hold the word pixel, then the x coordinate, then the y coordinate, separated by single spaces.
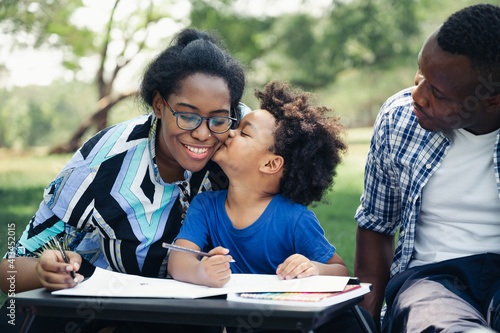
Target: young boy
pixel 280 159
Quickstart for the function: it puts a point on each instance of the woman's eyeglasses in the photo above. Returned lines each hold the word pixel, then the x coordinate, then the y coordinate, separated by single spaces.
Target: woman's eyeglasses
pixel 190 121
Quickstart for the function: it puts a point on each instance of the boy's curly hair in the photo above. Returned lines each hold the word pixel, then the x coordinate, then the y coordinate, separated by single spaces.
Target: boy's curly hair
pixel 307 137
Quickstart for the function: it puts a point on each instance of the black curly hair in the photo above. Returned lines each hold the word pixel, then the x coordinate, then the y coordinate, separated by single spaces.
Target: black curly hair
pixel 474 32
pixel 193 51
pixel 307 137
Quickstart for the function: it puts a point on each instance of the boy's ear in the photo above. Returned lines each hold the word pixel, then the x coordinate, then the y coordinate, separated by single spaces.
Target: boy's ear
pixel 273 165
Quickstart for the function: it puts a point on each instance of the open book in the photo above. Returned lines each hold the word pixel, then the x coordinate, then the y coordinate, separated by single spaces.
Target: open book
pixel 104 283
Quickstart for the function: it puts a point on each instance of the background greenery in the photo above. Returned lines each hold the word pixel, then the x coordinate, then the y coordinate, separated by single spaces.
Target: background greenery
pixel 353 56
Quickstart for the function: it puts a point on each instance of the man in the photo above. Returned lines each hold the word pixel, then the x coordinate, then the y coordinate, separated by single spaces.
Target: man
pixel 432 174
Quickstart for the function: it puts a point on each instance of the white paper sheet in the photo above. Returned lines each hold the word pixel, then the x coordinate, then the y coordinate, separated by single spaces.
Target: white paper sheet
pixel 104 283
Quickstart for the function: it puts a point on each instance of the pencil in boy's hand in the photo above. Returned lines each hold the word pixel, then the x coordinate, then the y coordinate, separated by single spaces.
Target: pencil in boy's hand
pixel 65 257
pixel 188 250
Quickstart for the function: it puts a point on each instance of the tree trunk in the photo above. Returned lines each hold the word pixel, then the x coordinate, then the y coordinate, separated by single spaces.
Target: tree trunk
pixel 99 118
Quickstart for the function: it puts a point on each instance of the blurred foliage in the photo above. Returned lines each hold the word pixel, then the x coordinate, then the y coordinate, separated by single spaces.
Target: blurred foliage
pixel 47 22
pixel 353 55
pixel 246 37
pixel 40 116
pixel 121 39
pixel 310 51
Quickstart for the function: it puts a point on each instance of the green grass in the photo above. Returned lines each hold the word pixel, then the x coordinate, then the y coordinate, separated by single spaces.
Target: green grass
pixel 337 214
pixel 24 176
pixel 22 180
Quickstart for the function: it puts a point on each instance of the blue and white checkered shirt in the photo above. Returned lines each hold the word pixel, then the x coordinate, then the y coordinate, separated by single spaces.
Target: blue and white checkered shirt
pixel 402 158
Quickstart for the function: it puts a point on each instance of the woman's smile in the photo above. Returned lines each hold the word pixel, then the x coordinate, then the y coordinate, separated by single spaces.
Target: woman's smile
pixel 197 152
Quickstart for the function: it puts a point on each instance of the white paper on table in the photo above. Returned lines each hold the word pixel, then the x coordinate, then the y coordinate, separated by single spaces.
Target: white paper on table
pixel 240 283
pixel 104 283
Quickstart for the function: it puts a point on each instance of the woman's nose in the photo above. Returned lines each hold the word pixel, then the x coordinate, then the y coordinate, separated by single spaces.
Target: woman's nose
pixel 202 132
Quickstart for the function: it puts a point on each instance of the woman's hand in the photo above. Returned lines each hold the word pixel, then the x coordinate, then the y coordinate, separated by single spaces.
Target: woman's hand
pixel 296 266
pixel 215 271
pixel 54 272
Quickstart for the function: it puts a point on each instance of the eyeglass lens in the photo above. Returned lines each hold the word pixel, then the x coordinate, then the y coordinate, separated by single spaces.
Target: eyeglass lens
pixel 190 121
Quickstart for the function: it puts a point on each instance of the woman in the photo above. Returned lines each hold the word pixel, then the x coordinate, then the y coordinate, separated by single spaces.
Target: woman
pixel 127 189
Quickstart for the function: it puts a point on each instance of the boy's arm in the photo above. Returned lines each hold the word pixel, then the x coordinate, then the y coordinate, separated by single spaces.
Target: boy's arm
pixel 334 266
pixel 209 271
pixel 298 266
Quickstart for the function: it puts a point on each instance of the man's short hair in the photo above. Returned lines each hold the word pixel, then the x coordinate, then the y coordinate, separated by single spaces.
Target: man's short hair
pixel 475 33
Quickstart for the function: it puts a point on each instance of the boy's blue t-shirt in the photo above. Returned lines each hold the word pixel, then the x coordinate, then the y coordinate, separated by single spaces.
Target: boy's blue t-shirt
pixel 283 229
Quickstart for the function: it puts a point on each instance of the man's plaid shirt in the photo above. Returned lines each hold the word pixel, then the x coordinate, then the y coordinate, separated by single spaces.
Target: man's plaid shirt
pixel 402 158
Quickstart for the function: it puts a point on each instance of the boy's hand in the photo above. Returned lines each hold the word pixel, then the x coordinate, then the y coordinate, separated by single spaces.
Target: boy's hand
pixel 296 266
pixel 215 271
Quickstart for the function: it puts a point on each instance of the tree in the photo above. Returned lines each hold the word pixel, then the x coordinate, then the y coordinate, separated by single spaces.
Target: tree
pixel 49 22
pixel 302 48
pixel 311 50
pixel 133 40
pixel 353 34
